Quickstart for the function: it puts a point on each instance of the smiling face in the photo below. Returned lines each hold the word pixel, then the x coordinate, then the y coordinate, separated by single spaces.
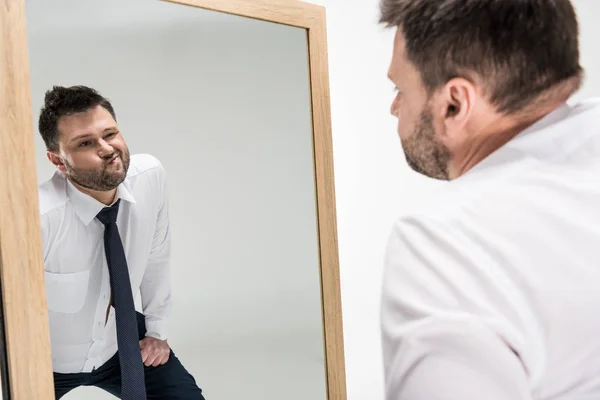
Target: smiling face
pixel 92 153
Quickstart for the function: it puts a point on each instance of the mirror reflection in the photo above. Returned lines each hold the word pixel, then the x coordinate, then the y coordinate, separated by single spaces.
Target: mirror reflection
pixel 177 200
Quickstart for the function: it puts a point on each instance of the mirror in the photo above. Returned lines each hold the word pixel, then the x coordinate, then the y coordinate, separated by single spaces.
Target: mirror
pixel 233 107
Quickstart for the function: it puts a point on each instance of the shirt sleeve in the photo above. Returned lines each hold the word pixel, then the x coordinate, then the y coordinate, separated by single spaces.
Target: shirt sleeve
pixel 445 330
pixel 155 288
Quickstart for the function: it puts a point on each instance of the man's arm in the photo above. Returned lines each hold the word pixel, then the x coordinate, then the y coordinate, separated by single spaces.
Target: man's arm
pixel 155 288
pixel 444 335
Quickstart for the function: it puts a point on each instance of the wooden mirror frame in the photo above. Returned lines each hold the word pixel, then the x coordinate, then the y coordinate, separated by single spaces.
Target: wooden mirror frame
pixel 22 289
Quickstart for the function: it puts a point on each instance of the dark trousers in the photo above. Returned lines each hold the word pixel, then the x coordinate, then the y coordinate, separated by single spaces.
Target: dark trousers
pixel 169 381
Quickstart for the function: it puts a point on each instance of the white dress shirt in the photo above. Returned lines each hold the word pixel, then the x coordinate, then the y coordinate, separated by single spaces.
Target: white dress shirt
pixel 492 289
pixel 76 272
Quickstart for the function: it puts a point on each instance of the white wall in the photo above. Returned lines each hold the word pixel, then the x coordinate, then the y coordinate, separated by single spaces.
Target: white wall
pixel 373 183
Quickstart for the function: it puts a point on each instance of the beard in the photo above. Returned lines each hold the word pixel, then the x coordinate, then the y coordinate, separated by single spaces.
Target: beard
pixel 423 152
pixel 100 179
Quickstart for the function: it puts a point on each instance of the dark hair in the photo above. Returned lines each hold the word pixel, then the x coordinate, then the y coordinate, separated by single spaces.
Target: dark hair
pixel 61 101
pixel 518 49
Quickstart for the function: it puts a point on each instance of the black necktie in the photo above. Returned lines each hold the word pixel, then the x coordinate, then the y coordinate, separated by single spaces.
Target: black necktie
pixel 133 386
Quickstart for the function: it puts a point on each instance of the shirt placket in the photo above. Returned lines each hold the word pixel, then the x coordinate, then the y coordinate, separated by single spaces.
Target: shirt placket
pixel 101 324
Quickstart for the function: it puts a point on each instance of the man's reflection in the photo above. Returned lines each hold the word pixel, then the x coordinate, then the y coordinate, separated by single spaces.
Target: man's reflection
pixel 105 226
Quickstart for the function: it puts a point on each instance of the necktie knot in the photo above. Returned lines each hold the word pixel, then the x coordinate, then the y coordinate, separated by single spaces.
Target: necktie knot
pixel 108 215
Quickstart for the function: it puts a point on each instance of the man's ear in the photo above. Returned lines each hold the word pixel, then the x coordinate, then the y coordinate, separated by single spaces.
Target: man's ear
pixel 457 101
pixel 56 160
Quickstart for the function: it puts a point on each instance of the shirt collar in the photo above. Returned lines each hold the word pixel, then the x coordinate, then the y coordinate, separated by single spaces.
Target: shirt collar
pixel 546 124
pixel 86 207
pixel 527 142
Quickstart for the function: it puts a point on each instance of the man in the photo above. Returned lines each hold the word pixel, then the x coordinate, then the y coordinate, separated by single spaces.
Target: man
pixel 105 227
pixel 492 288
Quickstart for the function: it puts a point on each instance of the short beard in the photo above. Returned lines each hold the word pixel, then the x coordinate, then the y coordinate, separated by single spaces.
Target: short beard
pixel 99 179
pixel 423 152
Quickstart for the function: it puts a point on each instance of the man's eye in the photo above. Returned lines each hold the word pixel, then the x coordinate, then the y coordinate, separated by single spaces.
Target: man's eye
pixel 84 144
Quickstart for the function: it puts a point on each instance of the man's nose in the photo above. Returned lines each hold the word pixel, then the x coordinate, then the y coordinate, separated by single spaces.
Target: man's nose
pixel 105 148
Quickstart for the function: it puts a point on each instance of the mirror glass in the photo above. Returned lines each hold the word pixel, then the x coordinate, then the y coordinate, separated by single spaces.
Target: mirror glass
pixel 222 103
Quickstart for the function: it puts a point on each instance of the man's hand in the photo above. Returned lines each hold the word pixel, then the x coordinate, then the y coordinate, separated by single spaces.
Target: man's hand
pixel 155 352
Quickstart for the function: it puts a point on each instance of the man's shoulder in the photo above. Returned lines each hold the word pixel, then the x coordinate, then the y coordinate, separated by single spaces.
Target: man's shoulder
pixel 144 163
pixel 463 206
pixel 52 193
pixel 146 176
pixel 445 201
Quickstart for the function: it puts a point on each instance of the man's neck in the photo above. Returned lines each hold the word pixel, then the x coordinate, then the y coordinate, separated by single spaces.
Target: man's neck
pixel 489 138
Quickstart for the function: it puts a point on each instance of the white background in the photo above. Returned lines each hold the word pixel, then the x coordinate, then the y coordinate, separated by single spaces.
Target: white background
pixel 223 102
pixel 372 181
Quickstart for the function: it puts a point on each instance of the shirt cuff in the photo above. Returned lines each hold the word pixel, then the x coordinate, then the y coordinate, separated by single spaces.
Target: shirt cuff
pixel 156 328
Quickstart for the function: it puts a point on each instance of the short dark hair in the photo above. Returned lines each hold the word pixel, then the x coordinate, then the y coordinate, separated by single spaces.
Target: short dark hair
pixel 518 49
pixel 61 101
